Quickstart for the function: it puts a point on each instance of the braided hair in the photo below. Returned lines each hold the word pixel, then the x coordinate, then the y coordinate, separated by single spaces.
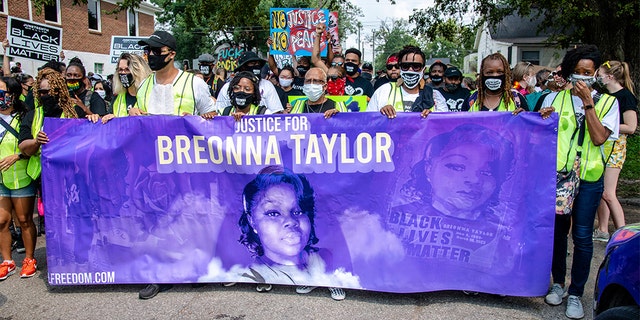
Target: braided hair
pixel 58 89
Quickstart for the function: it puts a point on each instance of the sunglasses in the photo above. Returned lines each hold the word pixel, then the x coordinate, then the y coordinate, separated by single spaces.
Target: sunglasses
pixel 405 66
pixel 43 92
pixel 155 51
pixel 392 66
pixel 337 64
pixel 334 77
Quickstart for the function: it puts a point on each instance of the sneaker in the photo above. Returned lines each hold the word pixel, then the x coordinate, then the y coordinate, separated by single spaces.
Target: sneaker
pixel 152 290
pixel 337 294
pixel 263 287
pixel 600 235
pixel 304 289
pixel 574 308
pixel 229 284
pixel 470 293
pixel 20 246
pixel 7 268
pixel 29 268
pixel 555 295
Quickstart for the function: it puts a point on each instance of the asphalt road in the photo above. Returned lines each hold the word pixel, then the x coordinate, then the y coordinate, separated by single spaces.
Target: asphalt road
pixel 34 299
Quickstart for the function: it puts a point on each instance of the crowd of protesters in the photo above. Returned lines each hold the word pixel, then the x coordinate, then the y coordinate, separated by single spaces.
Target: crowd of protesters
pixel 599 94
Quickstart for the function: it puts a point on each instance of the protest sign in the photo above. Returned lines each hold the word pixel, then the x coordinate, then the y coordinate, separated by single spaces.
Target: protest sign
pixel 228 57
pixel 121 44
pixel 294 30
pixel 334 37
pixel 454 201
pixel 31 40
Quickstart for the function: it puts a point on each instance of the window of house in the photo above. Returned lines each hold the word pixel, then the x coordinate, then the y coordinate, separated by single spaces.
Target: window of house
pixel 98 67
pixel 3 6
pixel 132 22
pixel 52 12
pixel 531 56
pixel 93 11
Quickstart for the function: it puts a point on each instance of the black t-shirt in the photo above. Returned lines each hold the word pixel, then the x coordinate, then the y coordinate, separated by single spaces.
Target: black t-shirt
pixel 626 101
pixel 211 83
pixel 98 106
pixel 358 87
pixel 455 99
pixel 284 95
pixel 298 83
pixel 318 108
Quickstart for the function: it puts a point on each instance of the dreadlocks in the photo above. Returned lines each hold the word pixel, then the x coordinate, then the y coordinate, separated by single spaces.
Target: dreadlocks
pixel 506 85
pixel 58 89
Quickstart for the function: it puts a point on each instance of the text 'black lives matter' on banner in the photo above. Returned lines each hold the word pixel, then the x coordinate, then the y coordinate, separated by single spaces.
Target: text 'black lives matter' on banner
pixel 33 40
pixel 122 44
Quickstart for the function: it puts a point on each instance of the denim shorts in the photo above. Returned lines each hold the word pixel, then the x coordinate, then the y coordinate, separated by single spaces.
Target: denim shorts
pixel 28 191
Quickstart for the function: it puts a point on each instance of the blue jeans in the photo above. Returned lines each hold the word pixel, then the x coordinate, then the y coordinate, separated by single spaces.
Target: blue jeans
pixel 582 218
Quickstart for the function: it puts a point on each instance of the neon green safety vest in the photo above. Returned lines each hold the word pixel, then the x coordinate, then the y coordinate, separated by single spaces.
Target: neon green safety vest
pixel 120 105
pixel 298 107
pixel 395 97
pixel 16 176
pixel 474 105
pixel 183 94
pixel 592 161
pixel 253 110
pixel 35 167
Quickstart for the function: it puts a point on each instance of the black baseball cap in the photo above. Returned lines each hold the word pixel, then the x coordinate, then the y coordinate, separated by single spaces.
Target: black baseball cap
pixel 367 66
pixel 249 56
pixel 452 72
pixel 160 39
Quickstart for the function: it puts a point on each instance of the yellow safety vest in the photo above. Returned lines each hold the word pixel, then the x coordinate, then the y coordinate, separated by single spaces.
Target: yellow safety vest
pixel 183 94
pixel 16 176
pixel 475 105
pixel 298 107
pixel 395 97
pixel 253 110
pixel 592 161
pixel 120 105
pixel 34 168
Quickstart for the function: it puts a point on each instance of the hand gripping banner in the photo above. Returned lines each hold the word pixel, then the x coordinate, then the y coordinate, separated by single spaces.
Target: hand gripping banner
pixel 460 201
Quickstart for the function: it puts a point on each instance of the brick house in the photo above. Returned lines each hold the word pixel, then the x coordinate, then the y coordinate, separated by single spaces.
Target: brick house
pixel 86 28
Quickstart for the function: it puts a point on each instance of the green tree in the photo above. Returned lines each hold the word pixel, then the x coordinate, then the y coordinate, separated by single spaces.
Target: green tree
pixel 613 26
pixel 392 35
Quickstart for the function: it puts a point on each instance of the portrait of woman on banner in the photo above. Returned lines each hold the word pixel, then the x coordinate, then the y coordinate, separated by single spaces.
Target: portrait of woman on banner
pixel 278 230
pixel 453 216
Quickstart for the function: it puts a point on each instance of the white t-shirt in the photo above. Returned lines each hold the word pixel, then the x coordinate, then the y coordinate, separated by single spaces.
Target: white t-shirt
pixel 268 97
pixel 7 118
pixel 439 102
pixel 380 98
pixel 161 99
pixel 610 121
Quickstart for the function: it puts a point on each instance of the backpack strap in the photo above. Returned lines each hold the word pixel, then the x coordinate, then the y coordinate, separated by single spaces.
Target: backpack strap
pixel 227 111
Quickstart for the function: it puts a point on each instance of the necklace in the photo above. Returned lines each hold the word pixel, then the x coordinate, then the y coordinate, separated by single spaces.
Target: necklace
pixel 310 109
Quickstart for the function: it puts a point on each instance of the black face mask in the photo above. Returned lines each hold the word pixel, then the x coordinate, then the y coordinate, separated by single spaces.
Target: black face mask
pixel 205 69
pixel 493 84
pixel 302 70
pixel 50 104
pixel 436 80
pixel 127 80
pixel 241 99
pixel 351 68
pixel 451 86
pixel 158 62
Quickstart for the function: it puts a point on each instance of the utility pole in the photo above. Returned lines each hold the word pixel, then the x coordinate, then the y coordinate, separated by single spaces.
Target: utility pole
pixel 373 52
pixel 359 43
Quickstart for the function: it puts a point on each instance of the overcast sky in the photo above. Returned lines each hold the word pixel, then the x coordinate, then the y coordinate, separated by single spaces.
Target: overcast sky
pixel 374 12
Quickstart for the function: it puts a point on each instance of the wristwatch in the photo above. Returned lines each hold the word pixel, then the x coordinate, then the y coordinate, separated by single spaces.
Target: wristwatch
pixel 587 107
pixel 23 157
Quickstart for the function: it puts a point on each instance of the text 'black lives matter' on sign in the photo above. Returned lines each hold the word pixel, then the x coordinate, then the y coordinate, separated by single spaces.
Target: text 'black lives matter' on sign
pixel 33 40
pixel 122 44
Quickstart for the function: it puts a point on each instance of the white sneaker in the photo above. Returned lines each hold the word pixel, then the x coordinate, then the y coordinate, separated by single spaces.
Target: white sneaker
pixel 337 294
pixel 574 308
pixel 263 287
pixel 555 295
pixel 304 289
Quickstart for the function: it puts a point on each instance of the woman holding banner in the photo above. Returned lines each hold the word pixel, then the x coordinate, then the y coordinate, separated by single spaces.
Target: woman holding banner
pixel 131 70
pixel 244 96
pixel 598 115
pixel 278 230
pixel 17 189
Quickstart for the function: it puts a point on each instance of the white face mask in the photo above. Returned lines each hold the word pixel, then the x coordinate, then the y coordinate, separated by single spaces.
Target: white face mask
pixel 411 78
pixel 285 82
pixel 588 80
pixel 101 93
pixel 313 91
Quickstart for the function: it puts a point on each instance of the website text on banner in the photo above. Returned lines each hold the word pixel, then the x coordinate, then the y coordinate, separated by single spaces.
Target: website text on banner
pixel 451 202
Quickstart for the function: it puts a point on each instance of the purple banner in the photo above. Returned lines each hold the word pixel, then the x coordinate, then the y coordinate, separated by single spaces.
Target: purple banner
pixel 456 201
